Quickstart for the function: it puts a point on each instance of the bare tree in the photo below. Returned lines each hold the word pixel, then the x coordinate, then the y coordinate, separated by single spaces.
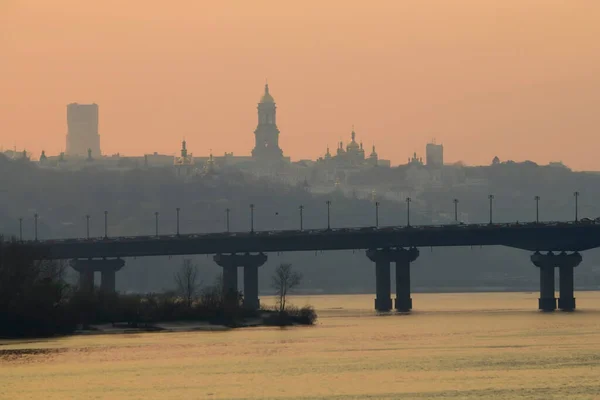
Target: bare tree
pixel 284 280
pixel 187 282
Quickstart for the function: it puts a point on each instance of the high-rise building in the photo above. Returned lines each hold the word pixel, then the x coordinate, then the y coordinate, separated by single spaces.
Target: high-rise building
pixel 434 155
pixel 83 139
pixel 266 134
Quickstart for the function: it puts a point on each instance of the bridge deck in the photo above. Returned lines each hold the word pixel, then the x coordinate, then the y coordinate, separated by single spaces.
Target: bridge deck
pixel 552 236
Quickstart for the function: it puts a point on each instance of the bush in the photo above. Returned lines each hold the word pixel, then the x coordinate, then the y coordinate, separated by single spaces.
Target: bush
pixel 290 316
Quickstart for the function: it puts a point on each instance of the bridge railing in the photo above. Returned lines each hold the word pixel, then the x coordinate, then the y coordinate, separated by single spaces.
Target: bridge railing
pixel 298 232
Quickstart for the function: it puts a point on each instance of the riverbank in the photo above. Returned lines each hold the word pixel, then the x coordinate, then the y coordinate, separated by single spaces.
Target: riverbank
pixel 304 316
pixel 263 319
pixel 172 326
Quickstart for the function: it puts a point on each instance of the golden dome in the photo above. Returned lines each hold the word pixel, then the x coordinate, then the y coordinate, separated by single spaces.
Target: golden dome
pixel 353 145
pixel 267 98
pixel 373 153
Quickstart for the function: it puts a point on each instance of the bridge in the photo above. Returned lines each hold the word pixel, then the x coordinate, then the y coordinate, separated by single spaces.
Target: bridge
pixel 554 245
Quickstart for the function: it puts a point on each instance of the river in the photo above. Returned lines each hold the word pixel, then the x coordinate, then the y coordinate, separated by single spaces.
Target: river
pixel 457 346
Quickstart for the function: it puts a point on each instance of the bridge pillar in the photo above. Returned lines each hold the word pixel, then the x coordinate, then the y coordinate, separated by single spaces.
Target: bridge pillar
pixel 382 259
pixel 403 258
pixel 566 266
pixel 107 269
pixel 86 280
pixel 546 263
pixel 250 263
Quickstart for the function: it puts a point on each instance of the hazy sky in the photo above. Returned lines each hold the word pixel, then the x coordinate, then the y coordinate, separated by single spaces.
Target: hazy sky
pixel 515 78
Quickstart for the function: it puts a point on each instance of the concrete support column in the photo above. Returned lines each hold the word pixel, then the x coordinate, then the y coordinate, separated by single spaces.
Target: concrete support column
pixel 383 290
pixel 383 286
pixel 251 300
pixel 547 301
pixel 546 263
pixel 403 258
pixel 108 280
pixel 403 300
pixel 566 267
pixel 250 262
pixel 565 264
pixel 107 269
pixel 230 281
pixel 86 280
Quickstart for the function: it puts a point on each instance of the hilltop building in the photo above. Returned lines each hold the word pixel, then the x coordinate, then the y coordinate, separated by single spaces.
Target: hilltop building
pixel 415 161
pixel 352 157
pixel 434 155
pixel 82 135
pixel 185 162
pixel 266 133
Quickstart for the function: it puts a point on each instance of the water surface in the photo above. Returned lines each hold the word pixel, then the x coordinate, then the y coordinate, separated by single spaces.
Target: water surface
pixel 456 346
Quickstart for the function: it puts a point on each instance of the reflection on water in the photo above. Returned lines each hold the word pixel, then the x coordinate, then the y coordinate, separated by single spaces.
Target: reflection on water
pixel 485 345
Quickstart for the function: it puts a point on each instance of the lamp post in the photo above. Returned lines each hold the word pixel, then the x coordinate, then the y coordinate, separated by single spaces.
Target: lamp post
pixel 491 198
pixel 178 209
pixel 576 194
pixel 227 211
pixel 537 209
pixel 455 201
pixel 301 208
pixel 251 218
pixel 87 226
pixel 105 224
pixel 35 217
pixel 376 214
pixel 328 202
pixel 408 201
pixel 156 223
pixel 21 229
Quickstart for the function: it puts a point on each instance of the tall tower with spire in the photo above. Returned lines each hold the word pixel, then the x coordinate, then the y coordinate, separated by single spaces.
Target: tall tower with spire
pixel 266 134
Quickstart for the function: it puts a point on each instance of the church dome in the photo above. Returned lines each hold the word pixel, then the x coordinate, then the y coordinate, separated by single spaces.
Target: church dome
pixel 373 153
pixel 353 145
pixel 266 97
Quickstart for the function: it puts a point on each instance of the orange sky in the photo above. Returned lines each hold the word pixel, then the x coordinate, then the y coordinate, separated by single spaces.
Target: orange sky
pixel 515 78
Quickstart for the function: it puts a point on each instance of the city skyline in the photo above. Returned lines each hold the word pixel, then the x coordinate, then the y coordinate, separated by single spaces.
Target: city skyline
pixel 515 82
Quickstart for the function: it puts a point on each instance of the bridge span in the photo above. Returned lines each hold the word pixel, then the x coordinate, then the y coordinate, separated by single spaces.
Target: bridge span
pixel 383 245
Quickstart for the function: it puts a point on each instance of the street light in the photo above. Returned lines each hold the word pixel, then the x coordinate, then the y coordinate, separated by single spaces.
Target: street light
pixel 87 226
pixel 455 201
pixel 301 208
pixel 21 229
pixel 408 201
pixel 251 218
pixel 376 214
pixel 227 210
pixel 105 224
pixel 576 194
pixel 537 209
pixel 35 217
pixel 328 202
pixel 491 197
pixel 156 222
pixel 177 209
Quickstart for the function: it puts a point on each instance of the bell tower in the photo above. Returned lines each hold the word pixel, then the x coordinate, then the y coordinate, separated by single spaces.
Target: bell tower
pixel 266 134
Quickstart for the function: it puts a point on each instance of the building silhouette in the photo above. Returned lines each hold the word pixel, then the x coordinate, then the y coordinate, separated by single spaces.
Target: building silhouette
pixel 434 155
pixel 266 134
pixel 82 123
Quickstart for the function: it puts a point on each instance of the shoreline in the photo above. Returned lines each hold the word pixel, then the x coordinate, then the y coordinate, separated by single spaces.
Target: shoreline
pixel 429 290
